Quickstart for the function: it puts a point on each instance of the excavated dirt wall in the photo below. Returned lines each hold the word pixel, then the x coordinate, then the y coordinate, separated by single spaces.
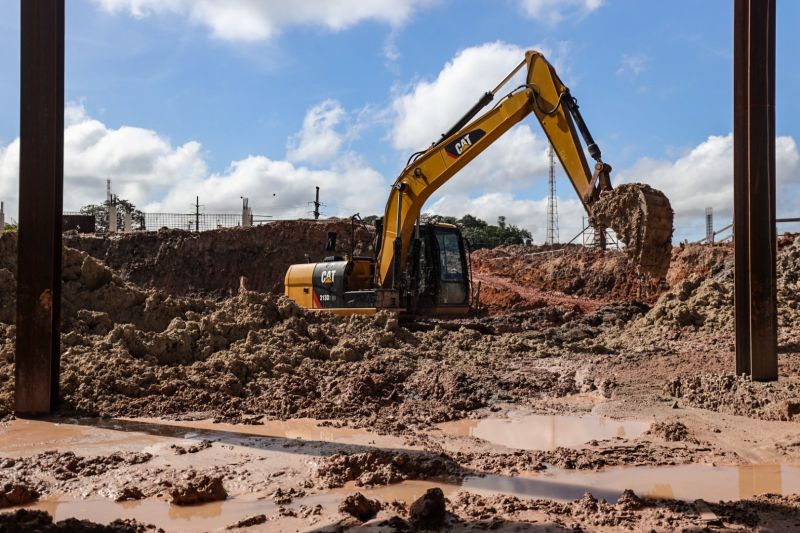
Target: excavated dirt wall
pixel 608 276
pixel 181 262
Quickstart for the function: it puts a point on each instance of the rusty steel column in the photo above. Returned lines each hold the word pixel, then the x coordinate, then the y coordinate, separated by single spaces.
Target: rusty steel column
pixel 754 189
pixel 41 171
pixel 741 206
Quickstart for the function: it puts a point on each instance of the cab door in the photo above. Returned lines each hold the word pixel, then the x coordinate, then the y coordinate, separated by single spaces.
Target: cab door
pixel 452 267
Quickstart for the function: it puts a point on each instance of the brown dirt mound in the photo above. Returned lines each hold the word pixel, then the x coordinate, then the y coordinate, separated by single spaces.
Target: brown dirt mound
pixel 211 262
pixel 41 522
pixel 382 467
pixel 738 395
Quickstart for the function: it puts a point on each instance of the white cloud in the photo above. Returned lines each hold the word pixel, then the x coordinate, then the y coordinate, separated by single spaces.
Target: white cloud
pixel 258 20
pixel 429 108
pixel 318 141
pixel 147 170
pixel 632 65
pixel 703 177
pixel 284 190
pixel 526 213
pixel 555 11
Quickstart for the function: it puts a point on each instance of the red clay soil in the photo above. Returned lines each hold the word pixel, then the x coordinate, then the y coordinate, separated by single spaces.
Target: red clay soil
pixel 518 277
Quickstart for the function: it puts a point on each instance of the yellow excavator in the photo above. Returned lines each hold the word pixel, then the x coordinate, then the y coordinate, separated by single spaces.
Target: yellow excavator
pixel 423 268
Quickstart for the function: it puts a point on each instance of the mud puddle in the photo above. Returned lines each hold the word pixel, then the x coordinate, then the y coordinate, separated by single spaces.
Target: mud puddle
pixel 22 438
pixel 685 482
pixel 306 429
pixel 544 432
pixel 195 518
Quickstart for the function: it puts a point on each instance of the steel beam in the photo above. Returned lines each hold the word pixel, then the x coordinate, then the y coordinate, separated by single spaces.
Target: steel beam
pixel 754 189
pixel 41 170
pixel 741 207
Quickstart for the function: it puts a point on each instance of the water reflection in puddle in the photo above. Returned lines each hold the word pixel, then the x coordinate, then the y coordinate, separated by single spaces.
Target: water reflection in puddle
pixel 204 517
pixel 545 432
pixel 685 482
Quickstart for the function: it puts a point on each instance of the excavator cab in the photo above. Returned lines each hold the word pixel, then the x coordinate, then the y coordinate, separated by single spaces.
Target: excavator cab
pixel 437 280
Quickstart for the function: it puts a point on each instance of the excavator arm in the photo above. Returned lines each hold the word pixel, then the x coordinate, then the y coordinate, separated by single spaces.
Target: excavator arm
pixel 542 94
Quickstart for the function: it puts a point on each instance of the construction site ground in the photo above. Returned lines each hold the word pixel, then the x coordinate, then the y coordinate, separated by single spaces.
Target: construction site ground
pixel 583 396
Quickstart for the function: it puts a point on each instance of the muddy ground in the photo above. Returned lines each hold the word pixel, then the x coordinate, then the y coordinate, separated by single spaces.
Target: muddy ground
pixel 160 325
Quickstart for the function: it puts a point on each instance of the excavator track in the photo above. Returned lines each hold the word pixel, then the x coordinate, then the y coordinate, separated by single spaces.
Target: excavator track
pixel 641 216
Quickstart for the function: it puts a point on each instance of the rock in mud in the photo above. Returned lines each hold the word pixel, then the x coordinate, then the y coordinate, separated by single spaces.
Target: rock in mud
pixel 15 493
pixel 673 431
pixel 198 489
pixel 251 521
pixel 429 510
pixel 641 216
pixel 629 501
pixel 360 506
pixel 129 494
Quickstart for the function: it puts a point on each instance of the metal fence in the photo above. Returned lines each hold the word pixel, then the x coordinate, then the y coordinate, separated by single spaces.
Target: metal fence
pixel 191 221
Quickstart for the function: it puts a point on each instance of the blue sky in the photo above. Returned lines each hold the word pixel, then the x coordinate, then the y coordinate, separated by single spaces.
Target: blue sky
pixel 173 98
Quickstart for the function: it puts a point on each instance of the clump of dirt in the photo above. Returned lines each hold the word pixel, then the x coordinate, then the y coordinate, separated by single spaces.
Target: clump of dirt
pixel 66 465
pixel 16 493
pixel 671 431
pixel 738 395
pixel 641 216
pixel 129 494
pixel 429 510
pixel 360 506
pixel 595 455
pixel 697 303
pixel 42 522
pixel 198 488
pixel 255 520
pixel 211 262
pixel 381 467
pixel 194 448
pixel 585 514
pixel 283 496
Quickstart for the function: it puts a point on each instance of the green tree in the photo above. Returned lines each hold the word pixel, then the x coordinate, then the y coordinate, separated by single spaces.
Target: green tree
pixel 481 234
pixel 100 214
pixel 370 220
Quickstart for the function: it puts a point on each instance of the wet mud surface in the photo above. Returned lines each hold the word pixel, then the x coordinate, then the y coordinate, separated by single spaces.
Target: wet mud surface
pixel 262 415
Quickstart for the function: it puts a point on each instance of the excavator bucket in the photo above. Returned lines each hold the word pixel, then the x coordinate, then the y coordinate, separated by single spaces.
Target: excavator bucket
pixel 641 216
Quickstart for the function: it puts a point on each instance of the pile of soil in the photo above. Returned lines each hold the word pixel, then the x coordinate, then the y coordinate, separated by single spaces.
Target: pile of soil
pixel 739 395
pixel 380 467
pixel 135 352
pixel 703 300
pixel 42 522
pixel 211 262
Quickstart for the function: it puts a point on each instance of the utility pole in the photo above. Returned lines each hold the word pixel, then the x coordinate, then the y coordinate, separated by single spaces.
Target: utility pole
pixel 710 225
pixel 316 206
pixel 2 218
pixel 197 215
pixel 552 200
